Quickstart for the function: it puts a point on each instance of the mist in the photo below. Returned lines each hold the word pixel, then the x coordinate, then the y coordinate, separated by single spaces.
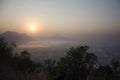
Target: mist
pixel 105 46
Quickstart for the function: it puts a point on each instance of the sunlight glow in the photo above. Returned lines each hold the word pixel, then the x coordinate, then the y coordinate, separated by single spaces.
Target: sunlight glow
pixel 33 28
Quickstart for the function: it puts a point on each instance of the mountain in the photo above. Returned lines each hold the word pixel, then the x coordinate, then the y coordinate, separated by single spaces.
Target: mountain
pixel 59 37
pixel 15 36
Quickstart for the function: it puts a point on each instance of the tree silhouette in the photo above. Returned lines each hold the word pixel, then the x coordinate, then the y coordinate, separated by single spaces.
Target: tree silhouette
pixel 78 64
pixel 24 63
pixel 116 68
pixel 6 50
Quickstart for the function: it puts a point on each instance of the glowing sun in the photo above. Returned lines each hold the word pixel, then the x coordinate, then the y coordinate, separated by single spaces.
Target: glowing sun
pixel 32 28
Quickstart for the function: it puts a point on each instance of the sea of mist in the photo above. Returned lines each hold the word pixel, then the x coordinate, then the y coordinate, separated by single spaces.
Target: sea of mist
pixel 54 49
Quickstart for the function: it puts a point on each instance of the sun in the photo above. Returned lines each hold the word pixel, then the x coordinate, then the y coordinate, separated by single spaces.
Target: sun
pixel 32 28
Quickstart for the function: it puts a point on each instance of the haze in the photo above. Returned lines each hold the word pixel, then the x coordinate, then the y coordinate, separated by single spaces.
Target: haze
pixel 66 17
pixel 95 22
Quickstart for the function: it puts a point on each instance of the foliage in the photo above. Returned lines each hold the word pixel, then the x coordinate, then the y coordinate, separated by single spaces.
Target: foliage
pixel 78 64
pixel 6 51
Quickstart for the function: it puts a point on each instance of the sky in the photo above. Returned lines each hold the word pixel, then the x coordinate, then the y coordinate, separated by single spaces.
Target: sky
pixel 64 17
pixel 92 22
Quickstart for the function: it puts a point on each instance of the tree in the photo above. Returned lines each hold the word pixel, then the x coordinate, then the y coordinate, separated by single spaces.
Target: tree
pixel 78 64
pixel 6 50
pixel 24 63
pixel 103 72
pixel 116 68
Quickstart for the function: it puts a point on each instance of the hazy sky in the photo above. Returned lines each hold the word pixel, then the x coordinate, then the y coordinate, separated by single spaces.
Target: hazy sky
pixel 60 16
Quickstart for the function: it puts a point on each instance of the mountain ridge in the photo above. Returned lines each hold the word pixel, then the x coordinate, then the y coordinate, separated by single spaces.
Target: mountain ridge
pixel 15 36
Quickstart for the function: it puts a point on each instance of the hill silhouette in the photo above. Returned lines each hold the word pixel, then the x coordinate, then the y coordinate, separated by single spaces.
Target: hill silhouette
pixel 15 36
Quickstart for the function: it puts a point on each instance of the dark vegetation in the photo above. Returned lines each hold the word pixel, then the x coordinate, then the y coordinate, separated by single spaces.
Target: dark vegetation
pixel 78 64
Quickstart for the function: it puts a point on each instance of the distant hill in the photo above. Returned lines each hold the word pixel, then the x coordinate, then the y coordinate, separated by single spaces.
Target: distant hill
pixel 15 36
pixel 59 37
